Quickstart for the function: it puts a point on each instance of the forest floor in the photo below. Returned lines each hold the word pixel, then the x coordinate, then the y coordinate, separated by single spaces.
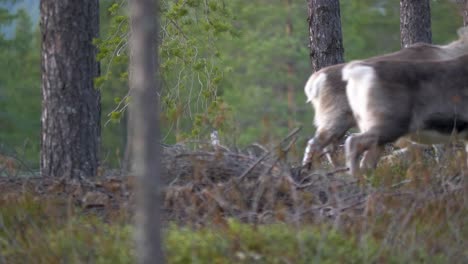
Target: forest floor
pixel 413 209
pixel 104 197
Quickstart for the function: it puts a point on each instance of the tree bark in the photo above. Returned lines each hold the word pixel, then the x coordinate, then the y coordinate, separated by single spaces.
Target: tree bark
pixel 326 41
pixel 465 13
pixel 464 9
pixel 291 71
pixel 70 136
pixel 415 22
pixel 144 116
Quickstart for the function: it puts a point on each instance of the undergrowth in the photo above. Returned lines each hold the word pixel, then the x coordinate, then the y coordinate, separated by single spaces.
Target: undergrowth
pixel 406 212
pixel 29 233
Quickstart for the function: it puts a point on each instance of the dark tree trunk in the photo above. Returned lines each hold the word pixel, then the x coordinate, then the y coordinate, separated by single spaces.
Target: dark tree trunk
pixel 464 9
pixel 415 22
pixel 291 71
pixel 144 121
pixel 326 41
pixel 465 13
pixel 70 136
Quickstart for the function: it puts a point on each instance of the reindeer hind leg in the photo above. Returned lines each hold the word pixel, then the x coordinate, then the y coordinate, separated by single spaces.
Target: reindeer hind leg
pixel 371 157
pixel 356 145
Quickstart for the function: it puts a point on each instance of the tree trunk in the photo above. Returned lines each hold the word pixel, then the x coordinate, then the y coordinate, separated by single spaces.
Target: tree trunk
pixel 415 22
pixel 70 136
pixel 144 116
pixel 290 66
pixel 464 9
pixel 326 41
pixel 127 145
pixel 465 13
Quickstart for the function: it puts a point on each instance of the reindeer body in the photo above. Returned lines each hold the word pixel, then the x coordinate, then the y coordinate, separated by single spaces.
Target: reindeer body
pixel 326 90
pixel 426 101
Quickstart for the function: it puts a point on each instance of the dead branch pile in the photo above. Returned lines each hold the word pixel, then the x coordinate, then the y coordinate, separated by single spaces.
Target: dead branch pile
pixel 254 185
pixel 214 183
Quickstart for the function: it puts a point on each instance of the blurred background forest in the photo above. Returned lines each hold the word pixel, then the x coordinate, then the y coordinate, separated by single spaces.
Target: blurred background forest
pixel 238 67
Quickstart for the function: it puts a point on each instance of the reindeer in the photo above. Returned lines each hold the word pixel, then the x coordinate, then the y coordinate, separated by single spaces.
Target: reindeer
pixel 426 101
pixel 326 90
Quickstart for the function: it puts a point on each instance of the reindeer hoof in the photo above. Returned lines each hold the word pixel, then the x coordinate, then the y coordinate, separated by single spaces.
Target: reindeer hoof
pixel 307 166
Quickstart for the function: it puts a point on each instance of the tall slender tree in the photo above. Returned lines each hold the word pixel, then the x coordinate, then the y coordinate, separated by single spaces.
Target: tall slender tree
pixel 464 9
pixel 290 71
pixel 326 41
pixel 70 135
pixel 415 22
pixel 144 126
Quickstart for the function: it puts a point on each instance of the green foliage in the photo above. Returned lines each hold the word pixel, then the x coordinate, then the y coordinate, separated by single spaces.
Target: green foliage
pixel 257 66
pixel 20 93
pixel 189 63
pixel 6 18
pixel 277 243
pixel 372 27
pixel 33 231
pixel 444 16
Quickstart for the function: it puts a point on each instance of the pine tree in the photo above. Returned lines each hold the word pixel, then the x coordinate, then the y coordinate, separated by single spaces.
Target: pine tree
pixel 415 22
pixel 144 126
pixel 70 136
pixel 326 44
pixel 464 9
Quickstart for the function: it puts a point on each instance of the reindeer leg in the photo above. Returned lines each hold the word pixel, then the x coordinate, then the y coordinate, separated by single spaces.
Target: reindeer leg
pixel 355 145
pixel 330 153
pixel 371 157
pixel 315 147
pixel 466 153
pixel 438 152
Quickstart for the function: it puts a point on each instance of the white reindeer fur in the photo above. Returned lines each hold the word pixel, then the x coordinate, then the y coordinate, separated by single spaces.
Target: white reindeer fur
pixel 360 79
pixel 312 87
